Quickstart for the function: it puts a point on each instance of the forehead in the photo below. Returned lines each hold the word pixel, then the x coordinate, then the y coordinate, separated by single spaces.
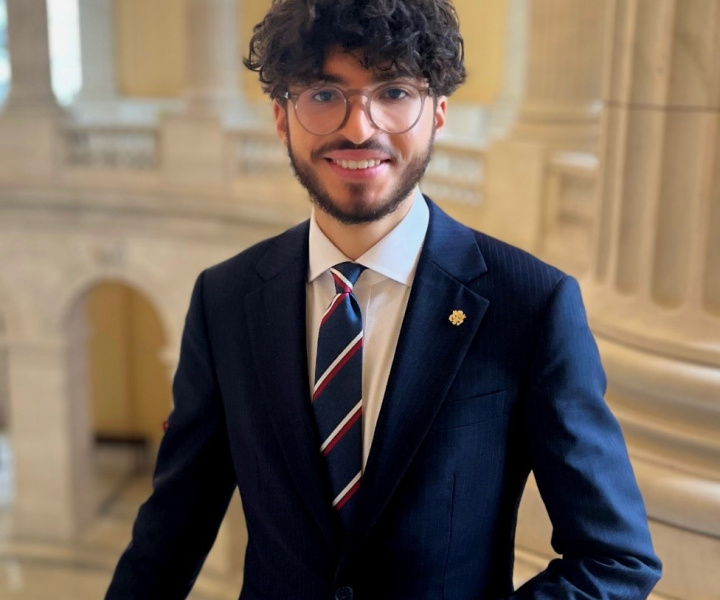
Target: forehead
pixel 347 68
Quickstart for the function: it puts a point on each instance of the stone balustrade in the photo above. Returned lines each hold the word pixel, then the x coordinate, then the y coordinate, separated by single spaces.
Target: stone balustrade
pixel 568 209
pixel 455 173
pixel 258 153
pixel 114 147
pixel 131 157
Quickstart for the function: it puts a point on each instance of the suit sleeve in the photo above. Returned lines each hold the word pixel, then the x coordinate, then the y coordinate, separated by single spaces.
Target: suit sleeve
pixel 580 462
pixel 192 484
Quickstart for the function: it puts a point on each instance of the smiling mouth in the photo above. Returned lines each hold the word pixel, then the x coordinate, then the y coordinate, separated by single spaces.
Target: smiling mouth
pixel 355 165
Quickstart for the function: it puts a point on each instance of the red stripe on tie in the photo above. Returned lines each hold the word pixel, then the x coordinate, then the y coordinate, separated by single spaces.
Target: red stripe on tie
pixel 338 366
pixel 342 284
pixel 331 309
pixel 350 494
pixel 343 431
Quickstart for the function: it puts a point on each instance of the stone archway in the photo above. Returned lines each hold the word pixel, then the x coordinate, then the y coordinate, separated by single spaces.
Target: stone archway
pixel 51 435
pixel 118 386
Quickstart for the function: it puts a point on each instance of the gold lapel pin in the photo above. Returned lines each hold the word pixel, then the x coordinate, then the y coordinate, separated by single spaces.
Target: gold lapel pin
pixel 457 317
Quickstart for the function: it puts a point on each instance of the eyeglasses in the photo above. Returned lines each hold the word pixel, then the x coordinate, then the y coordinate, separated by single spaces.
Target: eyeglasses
pixel 393 108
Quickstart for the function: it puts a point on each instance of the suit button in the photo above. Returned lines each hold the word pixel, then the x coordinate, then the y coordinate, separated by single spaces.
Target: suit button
pixel 344 593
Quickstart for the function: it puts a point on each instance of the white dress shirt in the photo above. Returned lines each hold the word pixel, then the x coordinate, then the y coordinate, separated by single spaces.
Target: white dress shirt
pixel 382 291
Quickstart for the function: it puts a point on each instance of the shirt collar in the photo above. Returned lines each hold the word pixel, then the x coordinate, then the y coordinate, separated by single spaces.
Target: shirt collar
pixel 395 256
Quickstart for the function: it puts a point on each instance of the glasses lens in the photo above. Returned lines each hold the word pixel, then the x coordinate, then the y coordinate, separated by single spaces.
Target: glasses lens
pixel 321 110
pixel 395 108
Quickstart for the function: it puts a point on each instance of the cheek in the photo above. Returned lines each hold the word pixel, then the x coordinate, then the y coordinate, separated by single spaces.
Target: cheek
pixel 410 144
pixel 298 143
pixel 416 140
pixel 301 142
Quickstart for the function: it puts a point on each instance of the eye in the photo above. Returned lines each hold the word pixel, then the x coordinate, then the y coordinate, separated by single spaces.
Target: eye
pixel 395 94
pixel 324 95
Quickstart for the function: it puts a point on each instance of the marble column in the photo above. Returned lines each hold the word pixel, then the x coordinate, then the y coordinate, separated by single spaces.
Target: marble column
pixel 97 46
pixel 560 111
pixel 100 99
pixel 213 61
pixel 563 74
pixel 28 44
pixel 653 295
pixel 29 121
pixel 50 439
pixel 503 112
pixel 197 156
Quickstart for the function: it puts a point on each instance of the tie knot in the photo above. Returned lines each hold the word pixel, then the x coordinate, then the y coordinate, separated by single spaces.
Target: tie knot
pixel 345 275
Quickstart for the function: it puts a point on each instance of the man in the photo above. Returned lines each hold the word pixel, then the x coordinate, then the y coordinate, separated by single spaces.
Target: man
pixel 463 363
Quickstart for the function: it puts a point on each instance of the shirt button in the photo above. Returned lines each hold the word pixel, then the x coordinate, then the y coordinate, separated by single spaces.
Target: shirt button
pixel 344 593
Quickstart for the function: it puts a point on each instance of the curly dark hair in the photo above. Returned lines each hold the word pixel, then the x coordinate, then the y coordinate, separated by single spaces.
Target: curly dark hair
pixel 419 38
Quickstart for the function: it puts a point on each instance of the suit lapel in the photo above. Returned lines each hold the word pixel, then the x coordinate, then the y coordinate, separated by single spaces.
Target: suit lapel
pixel 429 352
pixel 276 321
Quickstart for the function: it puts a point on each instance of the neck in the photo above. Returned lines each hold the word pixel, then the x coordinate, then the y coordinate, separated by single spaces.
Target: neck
pixel 354 240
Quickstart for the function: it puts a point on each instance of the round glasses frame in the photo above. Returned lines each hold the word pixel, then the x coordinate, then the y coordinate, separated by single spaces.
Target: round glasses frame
pixel 424 92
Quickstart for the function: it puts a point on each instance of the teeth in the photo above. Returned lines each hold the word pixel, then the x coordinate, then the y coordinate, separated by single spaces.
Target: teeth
pixel 357 164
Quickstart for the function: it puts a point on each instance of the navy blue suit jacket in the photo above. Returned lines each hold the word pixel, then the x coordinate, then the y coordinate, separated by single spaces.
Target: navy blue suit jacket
pixel 469 412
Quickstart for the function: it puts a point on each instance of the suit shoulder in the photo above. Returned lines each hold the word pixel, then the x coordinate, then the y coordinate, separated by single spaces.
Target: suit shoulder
pixel 509 267
pixel 239 272
pixel 520 270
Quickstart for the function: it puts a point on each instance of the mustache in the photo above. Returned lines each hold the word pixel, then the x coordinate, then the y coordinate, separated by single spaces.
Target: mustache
pixel 348 145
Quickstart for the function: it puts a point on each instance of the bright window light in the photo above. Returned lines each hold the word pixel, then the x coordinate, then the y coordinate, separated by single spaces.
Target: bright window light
pixel 64 26
pixel 4 56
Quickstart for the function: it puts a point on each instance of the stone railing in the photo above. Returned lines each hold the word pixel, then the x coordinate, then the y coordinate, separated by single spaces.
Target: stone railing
pixel 570 188
pixel 121 147
pixel 114 147
pixel 456 173
pixel 568 208
pixel 257 153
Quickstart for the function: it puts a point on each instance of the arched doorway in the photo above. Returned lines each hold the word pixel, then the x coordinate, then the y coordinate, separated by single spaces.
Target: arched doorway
pixel 116 341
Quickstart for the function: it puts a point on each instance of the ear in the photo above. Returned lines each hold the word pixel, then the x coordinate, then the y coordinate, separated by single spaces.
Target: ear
pixel 281 120
pixel 440 112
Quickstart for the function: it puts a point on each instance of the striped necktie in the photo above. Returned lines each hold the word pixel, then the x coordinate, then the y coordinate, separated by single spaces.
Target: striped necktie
pixel 337 395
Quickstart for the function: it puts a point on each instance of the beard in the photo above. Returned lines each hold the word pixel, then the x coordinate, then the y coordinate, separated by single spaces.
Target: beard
pixel 357 210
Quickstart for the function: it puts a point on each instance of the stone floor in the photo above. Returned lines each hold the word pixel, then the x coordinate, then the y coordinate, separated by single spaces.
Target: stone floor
pixel 32 570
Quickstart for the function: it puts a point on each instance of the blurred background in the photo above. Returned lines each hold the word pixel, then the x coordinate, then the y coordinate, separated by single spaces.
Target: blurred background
pixel 135 151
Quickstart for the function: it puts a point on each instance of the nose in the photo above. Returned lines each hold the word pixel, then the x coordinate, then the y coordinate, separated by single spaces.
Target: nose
pixel 358 126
